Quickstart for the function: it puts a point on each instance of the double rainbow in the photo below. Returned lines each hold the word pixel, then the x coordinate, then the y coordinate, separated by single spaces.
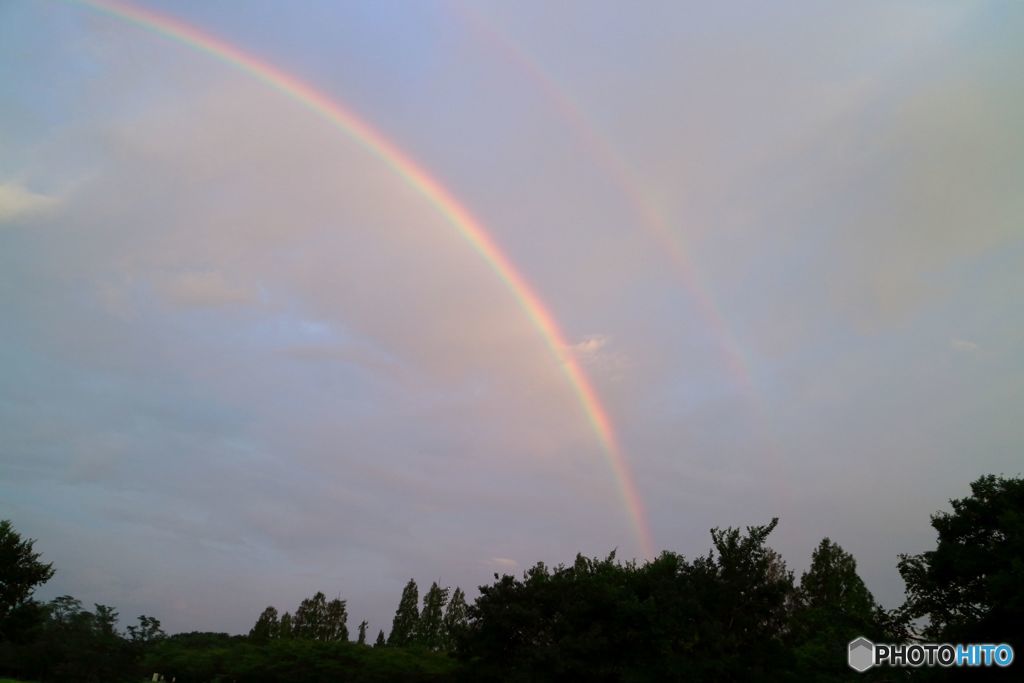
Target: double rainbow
pixel 332 111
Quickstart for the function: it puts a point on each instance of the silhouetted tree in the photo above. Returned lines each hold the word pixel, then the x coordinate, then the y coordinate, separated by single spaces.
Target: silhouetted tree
pixel 831 583
pixel 285 627
pixel 380 642
pixel 147 631
pixel 106 621
pixel 65 609
pixel 430 628
pixel 745 590
pixel 361 633
pixel 572 623
pixel 77 645
pixel 21 571
pixel 832 606
pixel 405 623
pixel 335 625
pixel 721 617
pixel 454 619
pixel 969 587
pixel 267 626
pixel 310 618
pixel 317 619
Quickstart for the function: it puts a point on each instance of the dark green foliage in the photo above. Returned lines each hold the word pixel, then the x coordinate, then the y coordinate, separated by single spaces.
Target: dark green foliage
pixel 148 631
pixel 361 637
pixel 832 584
pixel 380 642
pixel 831 607
pixel 335 625
pixel 310 620
pixel 407 616
pixel 72 644
pixel 315 619
pixel 573 622
pixel 267 626
pixel 23 649
pixel 106 620
pixel 744 591
pixel 430 628
pixel 285 630
pixel 226 658
pixel 970 586
pixel 720 617
pixel 20 571
pixel 455 619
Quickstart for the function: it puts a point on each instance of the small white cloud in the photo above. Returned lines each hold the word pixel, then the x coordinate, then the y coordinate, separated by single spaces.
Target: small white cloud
pixel 963 345
pixel 205 289
pixel 17 201
pixel 590 345
pixel 593 352
pixel 503 562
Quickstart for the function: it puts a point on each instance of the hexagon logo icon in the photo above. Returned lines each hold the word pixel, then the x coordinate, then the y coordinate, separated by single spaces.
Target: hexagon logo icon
pixel 861 654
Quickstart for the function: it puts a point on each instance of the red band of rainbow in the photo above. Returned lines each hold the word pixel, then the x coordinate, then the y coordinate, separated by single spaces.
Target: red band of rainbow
pixel 434 192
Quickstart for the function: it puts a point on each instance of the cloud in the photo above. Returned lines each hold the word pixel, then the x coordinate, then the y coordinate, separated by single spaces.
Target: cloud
pixel 503 563
pixel 205 289
pixel 382 373
pixel 590 345
pixel 963 345
pixel 593 352
pixel 16 201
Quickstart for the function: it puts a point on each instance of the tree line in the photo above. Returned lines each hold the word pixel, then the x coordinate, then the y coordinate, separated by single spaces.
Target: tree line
pixel 434 628
pixel 736 613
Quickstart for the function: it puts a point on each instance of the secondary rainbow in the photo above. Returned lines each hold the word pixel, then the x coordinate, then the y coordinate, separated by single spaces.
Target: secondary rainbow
pixel 433 191
pixel 624 179
pixel 621 176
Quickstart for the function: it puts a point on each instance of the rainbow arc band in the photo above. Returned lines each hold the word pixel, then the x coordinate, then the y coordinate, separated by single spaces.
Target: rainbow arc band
pixel 437 195
pixel 623 178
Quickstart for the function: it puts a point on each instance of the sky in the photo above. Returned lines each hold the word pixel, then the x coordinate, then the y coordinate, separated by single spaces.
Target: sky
pixel 243 358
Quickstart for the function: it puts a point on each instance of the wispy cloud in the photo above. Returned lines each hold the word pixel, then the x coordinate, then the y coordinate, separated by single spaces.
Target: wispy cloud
pixel 596 353
pixel 17 201
pixel 590 346
pixel 963 345
pixel 505 563
pixel 205 289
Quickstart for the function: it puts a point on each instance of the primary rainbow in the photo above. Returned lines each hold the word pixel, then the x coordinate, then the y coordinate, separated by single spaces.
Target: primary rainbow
pixel 431 189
